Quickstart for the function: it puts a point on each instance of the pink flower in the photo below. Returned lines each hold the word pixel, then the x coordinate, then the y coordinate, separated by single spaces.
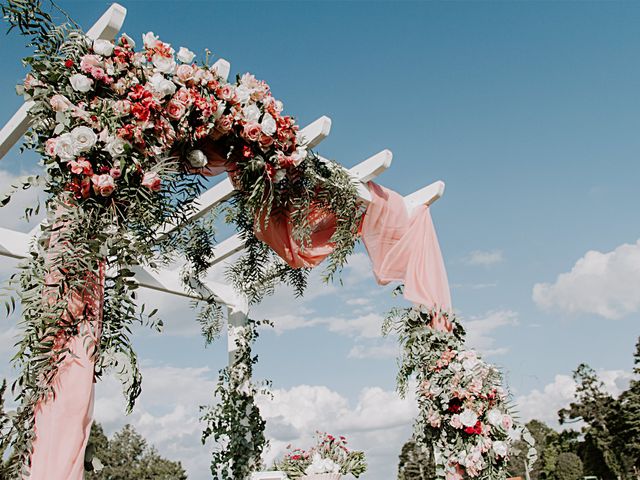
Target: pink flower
pixel 184 95
pixel 50 147
pixel 265 141
pixel 507 422
pixel 252 131
pixel 454 475
pixel 455 421
pixel 81 166
pixel 60 103
pixel 103 184
pixel 89 62
pixel 176 109
pixel 224 123
pixel 225 92
pixel 184 73
pixel 122 107
pixel 115 172
pixel 152 181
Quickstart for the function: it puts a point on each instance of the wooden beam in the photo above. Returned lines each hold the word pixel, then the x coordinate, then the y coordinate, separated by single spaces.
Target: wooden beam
pixel 425 196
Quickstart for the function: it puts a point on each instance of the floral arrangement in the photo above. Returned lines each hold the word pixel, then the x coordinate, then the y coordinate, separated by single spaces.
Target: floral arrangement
pixel 330 456
pixel 127 138
pixel 464 412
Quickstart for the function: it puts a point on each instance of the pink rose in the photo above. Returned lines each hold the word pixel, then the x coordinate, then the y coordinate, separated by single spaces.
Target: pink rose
pixel 252 131
pixel 89 62
pixel 225 92
pixel 455 421
pixel 122 107
pixel 507 422
pixel 152 181
pixel 60 103
pixel 183 95
pixel 50 147
pixel 184 73
pixel 115 172
pixel 81 166
pixel 265 141
pixel 225 123
pixel 176 109
pixel 103 184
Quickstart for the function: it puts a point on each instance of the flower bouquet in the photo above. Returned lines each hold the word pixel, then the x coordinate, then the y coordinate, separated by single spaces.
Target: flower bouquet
pixel 329 459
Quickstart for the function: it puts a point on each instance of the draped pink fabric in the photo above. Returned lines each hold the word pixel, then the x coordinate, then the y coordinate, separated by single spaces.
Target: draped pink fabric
pixel 278 234
pixel 405 249
pixel 63 421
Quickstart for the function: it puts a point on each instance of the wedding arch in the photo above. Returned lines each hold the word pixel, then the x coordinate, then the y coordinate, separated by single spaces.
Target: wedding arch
pixel 321 219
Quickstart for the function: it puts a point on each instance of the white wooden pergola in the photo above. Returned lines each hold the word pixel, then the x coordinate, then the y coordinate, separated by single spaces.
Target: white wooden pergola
pixel 16 244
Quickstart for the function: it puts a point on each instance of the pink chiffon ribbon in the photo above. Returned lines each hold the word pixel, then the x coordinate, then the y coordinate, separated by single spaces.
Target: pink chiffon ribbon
pixel 405 249
pixel 63 421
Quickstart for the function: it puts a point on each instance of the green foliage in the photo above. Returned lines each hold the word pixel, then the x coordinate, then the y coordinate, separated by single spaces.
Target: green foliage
pixel 126 456
pixel 234 422
pixel 416 463
pixel 568 467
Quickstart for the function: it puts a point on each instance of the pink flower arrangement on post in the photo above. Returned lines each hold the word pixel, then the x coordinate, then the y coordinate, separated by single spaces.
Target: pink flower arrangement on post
pixel 329 459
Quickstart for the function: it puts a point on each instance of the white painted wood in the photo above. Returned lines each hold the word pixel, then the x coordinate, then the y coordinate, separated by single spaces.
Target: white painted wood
pixel 109 24
pixel 15 128
pixel 226 248
pixel 14 244
pixel 107 27
pixel 222 68
pixel 315 132
pixel 425 196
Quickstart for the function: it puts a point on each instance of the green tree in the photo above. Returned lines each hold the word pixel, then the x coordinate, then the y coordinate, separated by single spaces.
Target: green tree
pixel 568 467
pixel 127 456
pixel 415 463
pixel 627 428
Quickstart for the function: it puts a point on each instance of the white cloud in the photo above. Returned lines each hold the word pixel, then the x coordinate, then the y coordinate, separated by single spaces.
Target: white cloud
pixel 543 404
pixel 379 422
pixel 484 257
pixel 12 215
pixel 386 349
pixel 479 330
pixel 604 284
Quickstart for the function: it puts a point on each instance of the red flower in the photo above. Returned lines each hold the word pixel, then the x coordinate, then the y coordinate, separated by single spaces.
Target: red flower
pixel 475 430
pixel 140 111
pixel 68 63
pixel 454 405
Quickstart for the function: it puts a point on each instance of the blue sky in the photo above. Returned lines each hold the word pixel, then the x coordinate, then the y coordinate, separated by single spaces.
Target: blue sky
pixel 529 111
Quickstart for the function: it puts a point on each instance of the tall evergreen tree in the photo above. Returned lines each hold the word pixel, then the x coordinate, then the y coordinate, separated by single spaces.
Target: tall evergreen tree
pixel 415 463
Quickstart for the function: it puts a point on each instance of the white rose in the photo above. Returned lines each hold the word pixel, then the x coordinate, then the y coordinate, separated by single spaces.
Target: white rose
pixel 468 418
pixel 251 113
pixel 161 86
pixel 470 364
pixel 115 146
pixel 299 155
pixel 197 158
pixel 64 147
pixel 494 416
pixel 83 138
pixel 80 83
pixel 164 64
pixel 500 448
pixel 455 366
pixel 185 55
pixel 268 125
pixel 103 47
pixel 220 110
pixel 243 93
pixel 149 40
